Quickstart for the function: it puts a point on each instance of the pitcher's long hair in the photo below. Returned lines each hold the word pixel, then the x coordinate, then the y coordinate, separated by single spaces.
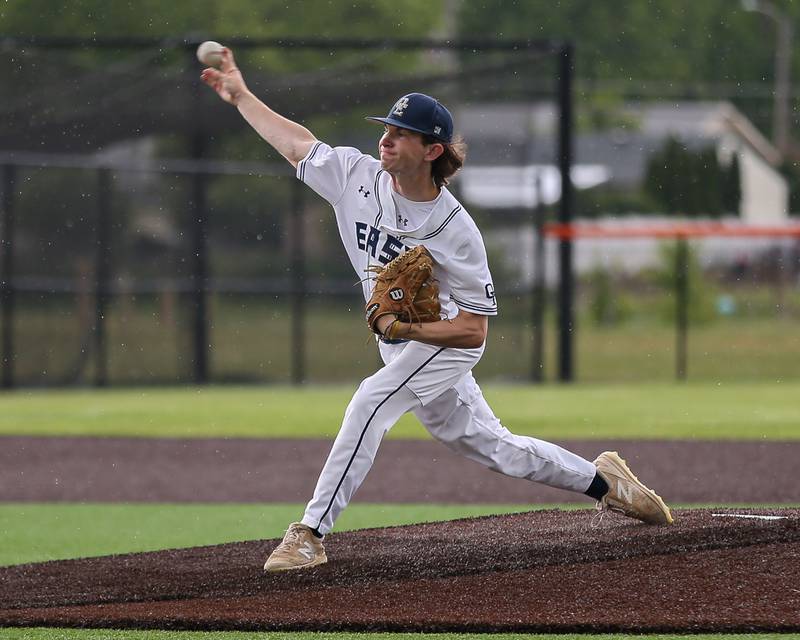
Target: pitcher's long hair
pixel 447 164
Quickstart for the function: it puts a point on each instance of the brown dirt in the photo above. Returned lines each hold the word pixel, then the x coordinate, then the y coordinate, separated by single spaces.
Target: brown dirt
pixel 540 571
pixel 246 470
pixel 535 572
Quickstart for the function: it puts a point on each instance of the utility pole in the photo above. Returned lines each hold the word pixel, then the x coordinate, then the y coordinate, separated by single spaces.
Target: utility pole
pixel 781 134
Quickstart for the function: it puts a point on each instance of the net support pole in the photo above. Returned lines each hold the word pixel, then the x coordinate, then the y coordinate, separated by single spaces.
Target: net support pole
pixel 298 269
pixel 102 276
pixel 539 291
pixel 681 307
pixel 198 231
pixel 7 280
pixel 566 284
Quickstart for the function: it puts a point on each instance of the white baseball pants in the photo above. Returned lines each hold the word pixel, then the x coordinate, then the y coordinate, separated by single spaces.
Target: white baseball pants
pixel 437 385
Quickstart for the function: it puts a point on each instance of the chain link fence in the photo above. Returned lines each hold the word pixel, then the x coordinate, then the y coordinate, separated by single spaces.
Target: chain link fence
pixel 148 236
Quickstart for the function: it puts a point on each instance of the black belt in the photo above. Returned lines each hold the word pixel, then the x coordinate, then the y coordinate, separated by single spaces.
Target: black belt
pixel 387 341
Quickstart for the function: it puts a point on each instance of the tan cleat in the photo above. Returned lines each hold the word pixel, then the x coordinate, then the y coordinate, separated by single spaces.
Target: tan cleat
pixel 626 494
pixel 299 549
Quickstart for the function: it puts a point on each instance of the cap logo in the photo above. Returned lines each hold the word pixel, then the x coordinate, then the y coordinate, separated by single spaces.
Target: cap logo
pixel 437 130
pixel 400 106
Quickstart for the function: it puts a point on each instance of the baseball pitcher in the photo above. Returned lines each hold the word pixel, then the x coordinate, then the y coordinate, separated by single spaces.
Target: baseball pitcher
pixel 429 296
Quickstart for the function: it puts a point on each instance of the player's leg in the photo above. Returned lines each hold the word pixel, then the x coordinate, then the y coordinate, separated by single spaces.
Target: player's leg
pixel 414 373
pixel 378 403
pixel 462 419
pixel 411 371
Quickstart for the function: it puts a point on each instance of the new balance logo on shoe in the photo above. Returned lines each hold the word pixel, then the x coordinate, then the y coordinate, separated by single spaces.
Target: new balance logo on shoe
pixel 307 550
pixel 625 491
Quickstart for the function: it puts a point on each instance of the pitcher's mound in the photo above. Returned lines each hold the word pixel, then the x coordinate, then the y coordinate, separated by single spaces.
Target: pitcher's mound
pixel 537 572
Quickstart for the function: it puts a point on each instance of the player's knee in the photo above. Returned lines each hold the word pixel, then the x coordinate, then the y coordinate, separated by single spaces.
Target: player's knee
pixel 369 388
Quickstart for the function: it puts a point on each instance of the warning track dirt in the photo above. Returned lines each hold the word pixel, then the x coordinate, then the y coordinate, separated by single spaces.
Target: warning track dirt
pixel 248 470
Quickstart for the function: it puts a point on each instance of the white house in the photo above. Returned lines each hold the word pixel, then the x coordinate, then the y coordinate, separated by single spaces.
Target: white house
pixel 512 164
pixel 513 149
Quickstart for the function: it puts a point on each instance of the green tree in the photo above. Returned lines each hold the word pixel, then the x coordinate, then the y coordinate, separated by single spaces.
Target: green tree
pixel 232 19
pixel 791 172
pixel 664 178
pixel 679 49
pixel 708 183
pixel 608 305
pixel 687 182
pixel 240 18
pixel 701 292
pixel 732 187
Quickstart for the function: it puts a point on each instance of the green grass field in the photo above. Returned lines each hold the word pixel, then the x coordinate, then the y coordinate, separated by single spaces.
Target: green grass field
pixel 251 342
pixel 36 532
pixel 645 411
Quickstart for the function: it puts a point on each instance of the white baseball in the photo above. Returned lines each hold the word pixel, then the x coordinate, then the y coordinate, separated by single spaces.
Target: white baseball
pixel 210 53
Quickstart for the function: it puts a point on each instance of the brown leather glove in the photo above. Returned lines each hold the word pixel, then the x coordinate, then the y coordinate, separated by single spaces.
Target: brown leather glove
pixel 406 288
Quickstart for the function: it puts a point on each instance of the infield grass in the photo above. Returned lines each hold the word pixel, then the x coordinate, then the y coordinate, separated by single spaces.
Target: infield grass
pixel 37 532
pixel 750 411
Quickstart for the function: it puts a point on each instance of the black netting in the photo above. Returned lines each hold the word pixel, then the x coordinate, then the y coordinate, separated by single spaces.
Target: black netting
pixel 157 239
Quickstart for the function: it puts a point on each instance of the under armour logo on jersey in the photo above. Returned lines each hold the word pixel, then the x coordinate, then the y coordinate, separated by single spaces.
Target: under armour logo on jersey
pixel 396 294
pixel 364 192
pixel 400 106
pixel 402 220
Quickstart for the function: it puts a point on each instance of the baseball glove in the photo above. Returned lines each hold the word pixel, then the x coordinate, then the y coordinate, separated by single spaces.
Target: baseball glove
pixel 406 288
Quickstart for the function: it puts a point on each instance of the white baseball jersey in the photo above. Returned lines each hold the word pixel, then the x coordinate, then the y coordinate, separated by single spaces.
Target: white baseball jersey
pixel 374 229
pixel 436 383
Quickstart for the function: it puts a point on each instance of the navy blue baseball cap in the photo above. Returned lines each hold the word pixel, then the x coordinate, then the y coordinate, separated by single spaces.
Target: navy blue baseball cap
pixel 420 113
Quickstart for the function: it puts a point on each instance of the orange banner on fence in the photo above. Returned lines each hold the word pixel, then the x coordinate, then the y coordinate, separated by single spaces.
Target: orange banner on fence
pixel 677 230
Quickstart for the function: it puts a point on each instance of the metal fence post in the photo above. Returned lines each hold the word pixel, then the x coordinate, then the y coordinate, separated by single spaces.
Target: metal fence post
pixel 566 321
pixel 102 276
pixel 681 307
pixel 199 227
pixel 199 275
pixel 7 280
pixel 539 285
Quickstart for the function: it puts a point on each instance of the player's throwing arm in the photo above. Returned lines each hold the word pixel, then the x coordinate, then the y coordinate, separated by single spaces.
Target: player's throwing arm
pixel 290 139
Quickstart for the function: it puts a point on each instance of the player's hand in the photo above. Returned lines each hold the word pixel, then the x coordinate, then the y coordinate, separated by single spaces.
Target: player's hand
pixel 227 81
pixel 382 323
